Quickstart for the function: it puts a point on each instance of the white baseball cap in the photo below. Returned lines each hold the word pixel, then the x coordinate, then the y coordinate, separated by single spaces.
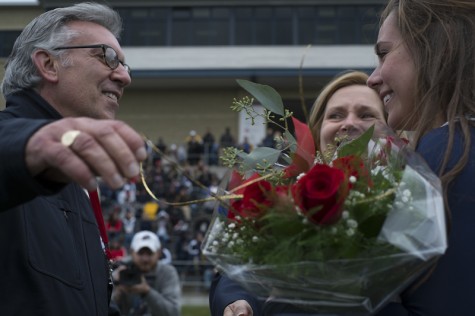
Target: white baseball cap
pixel 147 239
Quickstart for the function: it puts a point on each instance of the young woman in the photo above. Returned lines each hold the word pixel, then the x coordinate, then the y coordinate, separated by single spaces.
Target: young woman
pixel 426 79
pixel 346 107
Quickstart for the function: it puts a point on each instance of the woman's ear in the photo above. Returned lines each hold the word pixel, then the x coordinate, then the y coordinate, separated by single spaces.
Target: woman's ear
pixel 46 65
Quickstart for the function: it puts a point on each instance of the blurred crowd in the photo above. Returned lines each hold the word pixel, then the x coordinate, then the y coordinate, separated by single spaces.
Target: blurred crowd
pixel 177 175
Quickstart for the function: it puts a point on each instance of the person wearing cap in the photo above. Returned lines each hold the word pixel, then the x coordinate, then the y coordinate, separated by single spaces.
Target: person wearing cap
pixel 157 289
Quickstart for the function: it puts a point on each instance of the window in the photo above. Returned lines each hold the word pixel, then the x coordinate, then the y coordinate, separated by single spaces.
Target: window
pixel 250 25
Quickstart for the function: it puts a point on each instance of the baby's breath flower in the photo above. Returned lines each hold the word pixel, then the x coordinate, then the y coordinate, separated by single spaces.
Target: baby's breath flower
pixel 300 176
pixel 345 214
pixel 407 193
pixel 225 236
pixel 352 223
pixel 405 199
pixel 215 243
pixel 235 235
pixel 304 221
pixel 255 238
pixel 232 225
pixel 352 179
pixel 350 232
pixel 231 243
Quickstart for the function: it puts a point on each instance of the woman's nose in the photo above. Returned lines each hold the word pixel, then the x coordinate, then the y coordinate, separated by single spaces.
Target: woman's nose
pixel 374 80
pixel 349 124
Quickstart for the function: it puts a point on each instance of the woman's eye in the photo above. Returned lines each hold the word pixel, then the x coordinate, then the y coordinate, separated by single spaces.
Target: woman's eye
pixel 368 116
pixel 334 116
pixel 381 54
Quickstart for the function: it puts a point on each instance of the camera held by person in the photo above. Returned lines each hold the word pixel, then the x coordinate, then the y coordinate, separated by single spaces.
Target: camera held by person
pixel 143 284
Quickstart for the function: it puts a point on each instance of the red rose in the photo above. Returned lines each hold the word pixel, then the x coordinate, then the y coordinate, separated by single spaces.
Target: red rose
pixel 320 194
pixel 256 198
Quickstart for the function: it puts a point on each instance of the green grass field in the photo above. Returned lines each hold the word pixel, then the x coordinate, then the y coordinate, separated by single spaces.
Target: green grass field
pixel 194 310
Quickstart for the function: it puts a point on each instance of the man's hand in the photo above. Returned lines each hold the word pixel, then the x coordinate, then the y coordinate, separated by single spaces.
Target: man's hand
pixel 104 148
pixel 142 288
pixel 238 308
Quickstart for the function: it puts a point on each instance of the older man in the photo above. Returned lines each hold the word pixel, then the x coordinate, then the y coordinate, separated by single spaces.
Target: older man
pixel 63 82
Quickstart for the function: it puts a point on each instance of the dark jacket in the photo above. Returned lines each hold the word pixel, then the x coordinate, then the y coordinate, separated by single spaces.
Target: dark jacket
pixel 450 289
pixel 52 262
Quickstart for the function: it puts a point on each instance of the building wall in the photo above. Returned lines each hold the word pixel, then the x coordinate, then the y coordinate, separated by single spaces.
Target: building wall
pixel 16 18
pixel 171 114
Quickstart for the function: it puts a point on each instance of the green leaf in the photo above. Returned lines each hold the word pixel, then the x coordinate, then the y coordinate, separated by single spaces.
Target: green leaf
pixel 372 225
pixel 291 140
pixel 358 146
pixel 266 95
pixel 261 156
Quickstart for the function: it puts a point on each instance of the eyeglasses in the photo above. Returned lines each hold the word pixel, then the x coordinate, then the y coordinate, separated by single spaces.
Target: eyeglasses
pixel 110 56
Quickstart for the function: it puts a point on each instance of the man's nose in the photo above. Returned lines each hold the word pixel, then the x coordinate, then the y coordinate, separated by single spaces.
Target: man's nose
pixel 120 74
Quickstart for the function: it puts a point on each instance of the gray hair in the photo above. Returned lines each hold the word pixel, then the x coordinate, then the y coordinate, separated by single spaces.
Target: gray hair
pixel 47 31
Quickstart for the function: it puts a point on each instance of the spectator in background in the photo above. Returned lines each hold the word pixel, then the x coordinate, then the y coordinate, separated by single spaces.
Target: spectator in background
pixel 166 256
pixel 163 227
pixel 210 148
pixel 245 145
pixel 161 145
pixel 146 286
pixel 194 145
pixel 269 139
pixel 148 220
pixel 227 139
pixel 130 226
pixel 117 249
pixel 194 252
pixel 127 194
pixel 181 231
pixel 114 225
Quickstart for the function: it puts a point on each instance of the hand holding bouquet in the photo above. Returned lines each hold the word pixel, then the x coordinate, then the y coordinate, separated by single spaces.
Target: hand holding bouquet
pixel 342 231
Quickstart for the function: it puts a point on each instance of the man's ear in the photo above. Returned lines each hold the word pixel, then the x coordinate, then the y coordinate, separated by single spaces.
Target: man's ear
pixel 46 65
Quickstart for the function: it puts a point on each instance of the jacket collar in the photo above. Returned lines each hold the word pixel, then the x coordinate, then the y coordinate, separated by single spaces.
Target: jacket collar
pixel 31 105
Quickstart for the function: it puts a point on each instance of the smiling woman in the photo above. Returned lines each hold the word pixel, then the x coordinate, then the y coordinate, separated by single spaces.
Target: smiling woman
pixel 426 77
pixel 344 109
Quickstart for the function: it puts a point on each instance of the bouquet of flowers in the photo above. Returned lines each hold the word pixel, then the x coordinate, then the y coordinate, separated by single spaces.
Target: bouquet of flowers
pixel 343 231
